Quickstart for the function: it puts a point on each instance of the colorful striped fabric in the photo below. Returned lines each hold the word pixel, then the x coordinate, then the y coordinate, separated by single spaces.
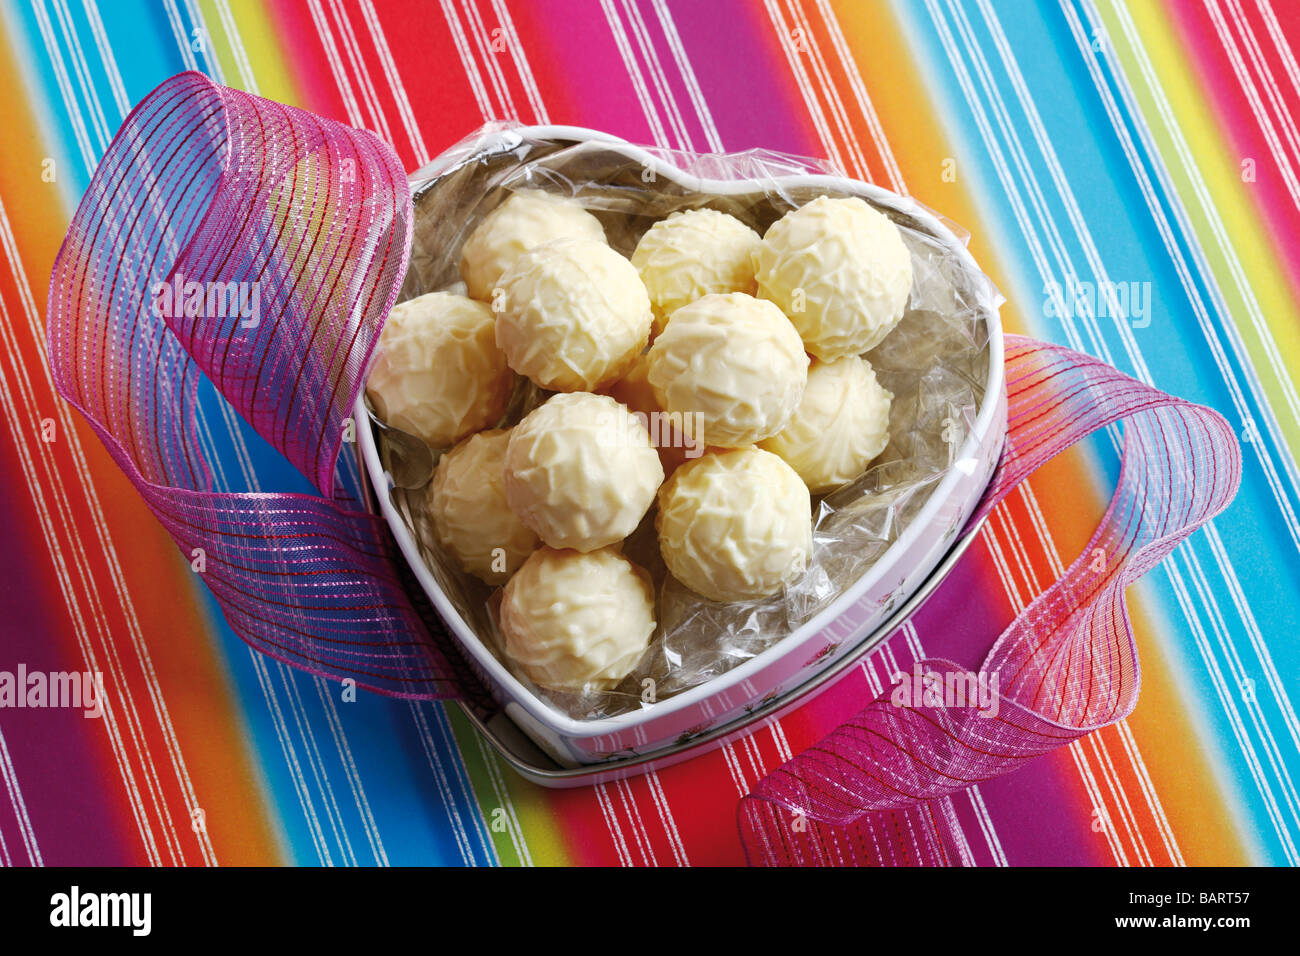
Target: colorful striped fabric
pixel 1130 176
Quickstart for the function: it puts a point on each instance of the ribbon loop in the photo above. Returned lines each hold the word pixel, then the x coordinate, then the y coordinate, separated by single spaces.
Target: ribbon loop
pixel 262 245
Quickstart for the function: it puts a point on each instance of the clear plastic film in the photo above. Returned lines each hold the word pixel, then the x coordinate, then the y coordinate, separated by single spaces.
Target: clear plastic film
pixel 935 364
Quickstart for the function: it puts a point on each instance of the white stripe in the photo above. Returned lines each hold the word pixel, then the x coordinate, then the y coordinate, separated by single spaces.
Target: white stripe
pixel 612 825
pixel 178 32
pixel 105 54
pixel 236 45
pixel 1280 43
pixel 1270 89
pixel 863 100
pixel 330 707
pixel 687 73
pixel 633 17
pixel 634 72
pixel 82 70
pixel 335 62
pixel 395 85
pixel 522 66
pixel 467 60
pixel 459 829
pixel 655 786
pixel 25 829
pixel 1228 697
pixel 800 76
pixel 838 113
pixel 479 32
pixel 61 80
pixel 515 829
pixel 206 42
pixel 290 754
pixel 353 51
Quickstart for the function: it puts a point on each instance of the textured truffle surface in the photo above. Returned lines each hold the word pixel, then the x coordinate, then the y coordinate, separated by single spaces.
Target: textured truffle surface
pixel 574 621
pixel 438 372
pixel 692 254
pixel 467 504
pixel 581 471
pixel 735 525
pixel 574 315
pixel 841 424
pixel 840 270
pixel 733 360
pixel 526 220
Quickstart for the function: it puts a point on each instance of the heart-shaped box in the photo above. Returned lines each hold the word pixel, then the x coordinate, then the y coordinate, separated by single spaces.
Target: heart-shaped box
pixel 842 631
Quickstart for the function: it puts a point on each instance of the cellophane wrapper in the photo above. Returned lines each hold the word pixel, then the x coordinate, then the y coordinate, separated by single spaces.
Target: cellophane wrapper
pixel 935 364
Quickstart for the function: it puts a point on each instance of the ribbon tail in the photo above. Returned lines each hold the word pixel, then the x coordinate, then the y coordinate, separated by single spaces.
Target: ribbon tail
pixel 1067 664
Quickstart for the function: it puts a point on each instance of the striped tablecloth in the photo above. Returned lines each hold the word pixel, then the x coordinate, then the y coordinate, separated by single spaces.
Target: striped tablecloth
pixel 1153 146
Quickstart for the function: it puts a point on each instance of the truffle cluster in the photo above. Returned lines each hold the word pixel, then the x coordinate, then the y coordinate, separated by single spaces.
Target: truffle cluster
pixel 680 380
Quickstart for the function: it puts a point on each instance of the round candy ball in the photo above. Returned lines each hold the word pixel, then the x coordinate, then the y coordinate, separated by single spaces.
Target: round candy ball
pixel 581 471
pixel 692 254
pixel 574 621
pixel 841 424
pixel 527 219
pixel 438 373
pixel 840 270
pixel 733 361
pixel 574 315
pixel 735 525
pixel 467 504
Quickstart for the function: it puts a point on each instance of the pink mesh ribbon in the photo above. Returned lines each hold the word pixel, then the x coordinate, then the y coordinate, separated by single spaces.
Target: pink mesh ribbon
pixel 262 246
pixel 874 790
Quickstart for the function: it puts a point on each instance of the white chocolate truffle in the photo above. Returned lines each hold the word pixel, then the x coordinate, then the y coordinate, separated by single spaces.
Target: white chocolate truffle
pixel 574 621
pixel 692 254
pixel 841 424
pixel 438 373
pixel 467 505
pixel 840 270
pixel 527 219
pixel 735 362
pixel 581 472
pixel 574 315
pixel 735 525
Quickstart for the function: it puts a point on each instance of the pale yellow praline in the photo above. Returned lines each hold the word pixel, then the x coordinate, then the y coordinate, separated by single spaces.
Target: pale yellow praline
pixel 467 505
pixel 438 373
pixel 575 621
pixel 692 254
pixel 735 525
pixel 581 471
pixel 735 362
pixel 573 316
pixel 840 270
pixel 529 218
pixel 841 424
